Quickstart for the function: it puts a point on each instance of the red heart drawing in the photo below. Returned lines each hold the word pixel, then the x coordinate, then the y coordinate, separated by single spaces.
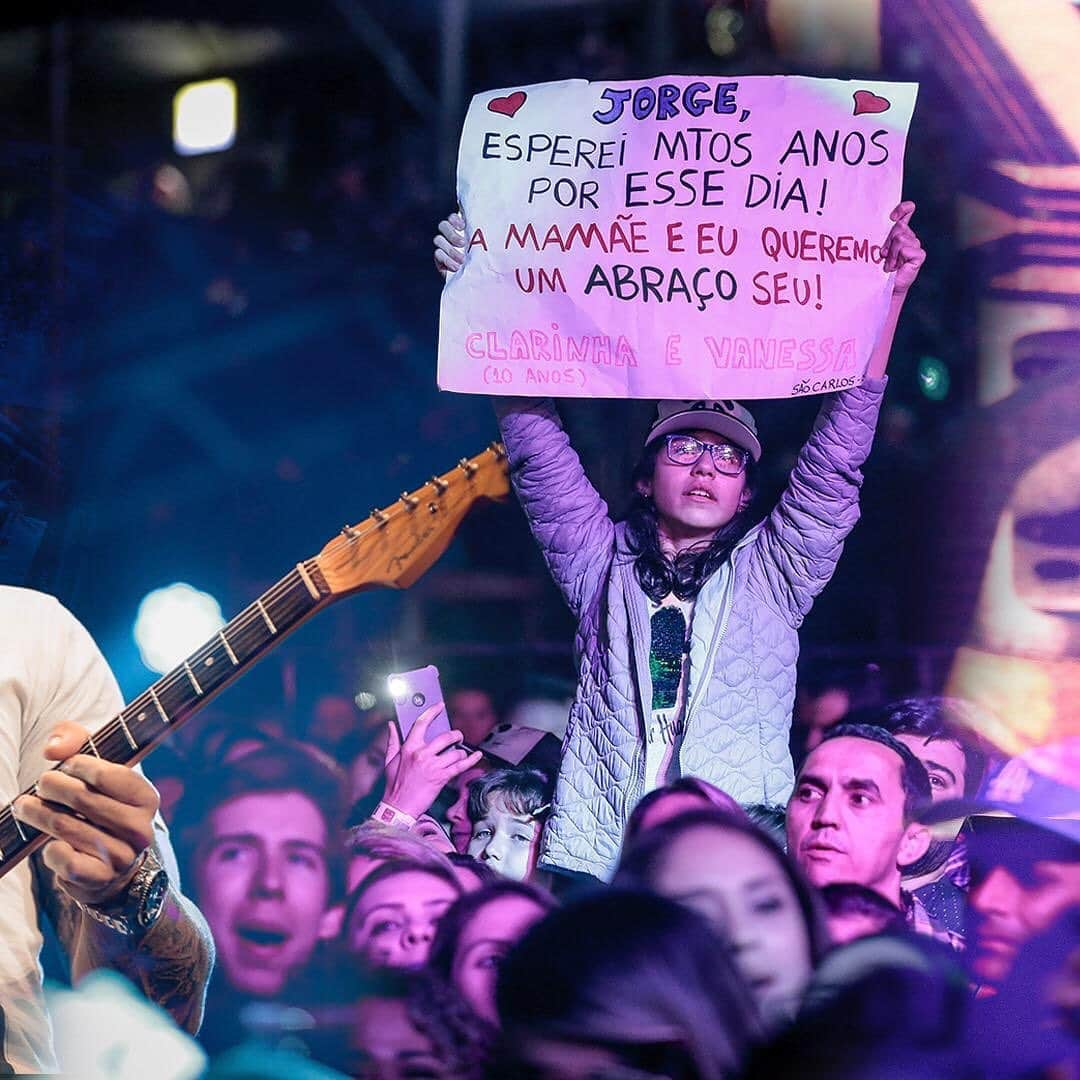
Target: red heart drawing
pixel 512 102
pixel 865 101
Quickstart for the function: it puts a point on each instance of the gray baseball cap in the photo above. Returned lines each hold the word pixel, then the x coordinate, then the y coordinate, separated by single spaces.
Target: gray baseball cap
pixel 727 418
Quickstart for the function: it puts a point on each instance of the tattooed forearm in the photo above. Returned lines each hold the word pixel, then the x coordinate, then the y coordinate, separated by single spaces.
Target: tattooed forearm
pixel 170 963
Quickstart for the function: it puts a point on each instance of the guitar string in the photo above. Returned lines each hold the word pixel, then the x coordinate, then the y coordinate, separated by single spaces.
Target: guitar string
pixel 244 620
pixel 252 615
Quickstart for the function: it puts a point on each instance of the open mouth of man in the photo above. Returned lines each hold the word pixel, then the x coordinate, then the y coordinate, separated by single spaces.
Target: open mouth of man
pixel 260 940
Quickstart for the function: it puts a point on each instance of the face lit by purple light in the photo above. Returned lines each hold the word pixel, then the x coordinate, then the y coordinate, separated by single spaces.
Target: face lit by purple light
pixel 264 886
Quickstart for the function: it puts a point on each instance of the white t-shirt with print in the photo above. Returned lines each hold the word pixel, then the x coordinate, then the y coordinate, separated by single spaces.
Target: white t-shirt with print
pixel 668 714
pixel 50 670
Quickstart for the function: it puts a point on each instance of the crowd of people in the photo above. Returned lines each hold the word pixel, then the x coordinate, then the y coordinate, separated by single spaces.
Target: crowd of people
pixel 678 896
pixel 882 919
pixel 669 891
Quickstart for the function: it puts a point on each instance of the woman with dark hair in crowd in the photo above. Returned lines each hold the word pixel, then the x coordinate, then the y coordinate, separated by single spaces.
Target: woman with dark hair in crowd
pixel 733 874
pixel 470 943
pixel 477 932
pixel 391 916
pixel 681 796
pixel 622 983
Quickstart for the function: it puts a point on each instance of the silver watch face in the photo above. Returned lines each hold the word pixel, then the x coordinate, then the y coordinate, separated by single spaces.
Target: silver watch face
pixel 153 900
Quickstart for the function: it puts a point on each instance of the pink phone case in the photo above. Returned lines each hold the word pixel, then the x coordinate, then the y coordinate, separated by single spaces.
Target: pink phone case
pixel 421 690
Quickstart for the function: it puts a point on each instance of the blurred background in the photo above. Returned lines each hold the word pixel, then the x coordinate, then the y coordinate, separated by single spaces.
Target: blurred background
pixel 211 361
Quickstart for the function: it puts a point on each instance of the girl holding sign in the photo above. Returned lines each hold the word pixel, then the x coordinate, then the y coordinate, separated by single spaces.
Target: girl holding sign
pixel 688 612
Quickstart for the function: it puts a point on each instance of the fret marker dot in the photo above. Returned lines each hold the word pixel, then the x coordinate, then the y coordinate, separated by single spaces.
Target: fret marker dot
pixel 209 661
pixel 141 716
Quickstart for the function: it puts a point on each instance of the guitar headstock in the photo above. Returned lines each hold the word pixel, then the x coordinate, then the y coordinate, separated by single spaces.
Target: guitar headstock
pixel 396 544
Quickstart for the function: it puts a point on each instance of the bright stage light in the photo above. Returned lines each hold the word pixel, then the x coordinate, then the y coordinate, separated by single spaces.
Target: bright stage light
pixel 173 622
pixel 204 117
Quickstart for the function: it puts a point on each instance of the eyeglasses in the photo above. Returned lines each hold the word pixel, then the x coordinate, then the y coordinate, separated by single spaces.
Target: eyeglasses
pixel 686 450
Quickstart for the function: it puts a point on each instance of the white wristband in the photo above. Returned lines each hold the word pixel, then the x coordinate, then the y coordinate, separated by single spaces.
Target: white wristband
pixel 391 815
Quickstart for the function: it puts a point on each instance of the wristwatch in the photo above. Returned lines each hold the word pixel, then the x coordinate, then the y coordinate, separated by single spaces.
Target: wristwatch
pixel 140 904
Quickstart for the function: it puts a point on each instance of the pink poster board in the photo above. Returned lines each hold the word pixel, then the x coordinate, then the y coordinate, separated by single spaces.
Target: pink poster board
pixel 673 238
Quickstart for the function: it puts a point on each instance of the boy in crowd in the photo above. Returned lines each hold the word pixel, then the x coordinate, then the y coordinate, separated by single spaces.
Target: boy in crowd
pixel 264 846
pixel 940 732
pixel 507 808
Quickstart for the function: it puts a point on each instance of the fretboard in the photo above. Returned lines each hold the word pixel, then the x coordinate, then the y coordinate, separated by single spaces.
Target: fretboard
pixel 181 693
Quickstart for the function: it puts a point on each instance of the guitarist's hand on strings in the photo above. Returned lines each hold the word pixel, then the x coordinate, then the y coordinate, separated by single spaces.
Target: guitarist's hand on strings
pixel 417 771
pixel 100 816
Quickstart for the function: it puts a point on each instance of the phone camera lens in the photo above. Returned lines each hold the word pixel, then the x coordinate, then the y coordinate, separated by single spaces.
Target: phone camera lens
pixel 418 699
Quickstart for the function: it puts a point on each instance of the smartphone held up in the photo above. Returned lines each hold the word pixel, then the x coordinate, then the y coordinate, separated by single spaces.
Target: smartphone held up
pixel 414 692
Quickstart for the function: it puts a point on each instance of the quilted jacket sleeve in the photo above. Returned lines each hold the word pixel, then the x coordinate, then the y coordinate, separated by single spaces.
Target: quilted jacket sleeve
pixel 798 549
pixel 568 518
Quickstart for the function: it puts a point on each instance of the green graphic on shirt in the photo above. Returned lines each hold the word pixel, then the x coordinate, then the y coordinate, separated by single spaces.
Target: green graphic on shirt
pixel 665 656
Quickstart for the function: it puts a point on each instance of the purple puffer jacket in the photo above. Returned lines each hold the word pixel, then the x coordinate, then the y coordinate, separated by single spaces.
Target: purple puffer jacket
pixel 744 631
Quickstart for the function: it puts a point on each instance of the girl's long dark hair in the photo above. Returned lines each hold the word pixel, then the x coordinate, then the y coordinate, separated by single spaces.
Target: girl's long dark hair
pixel 641 860
pixel 684 575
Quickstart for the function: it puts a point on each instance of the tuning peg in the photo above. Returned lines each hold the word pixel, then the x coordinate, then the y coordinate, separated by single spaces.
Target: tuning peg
pixel 441 486
pixel 410 501
pixel 348 531
pixel 433 507
pixel 468 466
pixel 498 450
pixel 379 517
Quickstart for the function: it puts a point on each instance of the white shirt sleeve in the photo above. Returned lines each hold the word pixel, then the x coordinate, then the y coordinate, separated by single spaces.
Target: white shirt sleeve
pixel 71 680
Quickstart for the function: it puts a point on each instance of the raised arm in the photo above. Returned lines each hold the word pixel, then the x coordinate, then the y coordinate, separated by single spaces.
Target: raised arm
pixel 798 549
pixel 566 514
pixel 903 256
pixel 796 552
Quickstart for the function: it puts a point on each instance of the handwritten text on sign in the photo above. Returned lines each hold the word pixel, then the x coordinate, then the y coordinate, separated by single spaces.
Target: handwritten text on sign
pixel 676 238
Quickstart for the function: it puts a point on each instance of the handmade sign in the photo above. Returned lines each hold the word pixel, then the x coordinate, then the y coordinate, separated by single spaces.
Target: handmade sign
pixel 674 238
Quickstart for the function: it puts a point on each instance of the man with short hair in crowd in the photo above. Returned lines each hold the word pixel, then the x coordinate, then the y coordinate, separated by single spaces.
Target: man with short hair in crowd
pixel 852 817
pixel 941 733
pixel 1024 841
pixel 264 844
